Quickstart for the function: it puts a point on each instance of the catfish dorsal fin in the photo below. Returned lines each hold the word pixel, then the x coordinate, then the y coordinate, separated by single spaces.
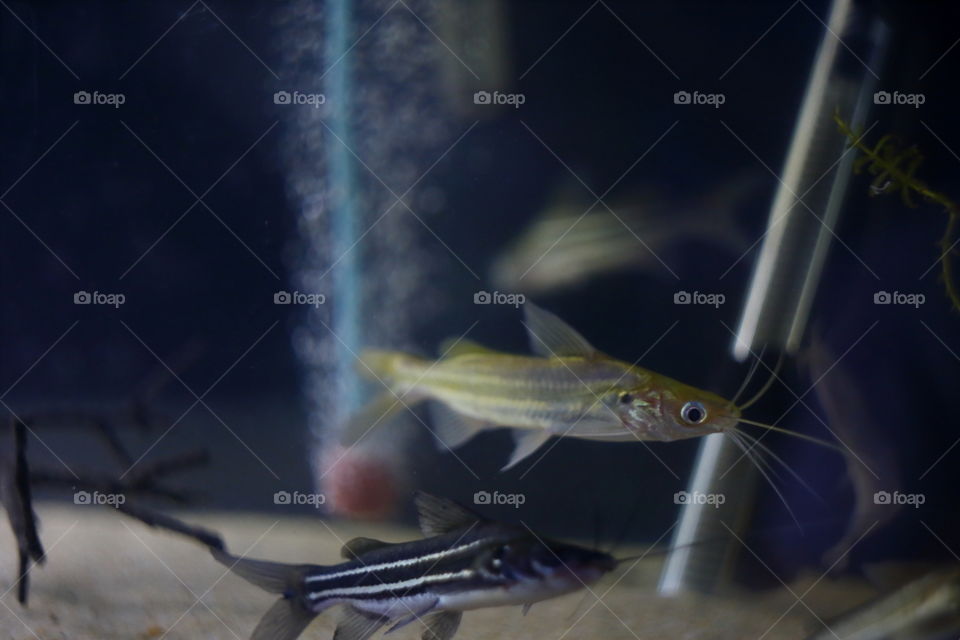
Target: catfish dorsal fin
pixel 355 548
pixel 551 337
pixel 439 515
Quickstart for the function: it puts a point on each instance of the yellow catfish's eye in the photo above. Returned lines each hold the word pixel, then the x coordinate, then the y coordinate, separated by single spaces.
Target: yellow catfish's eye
pixel 626 397
pixel 693 412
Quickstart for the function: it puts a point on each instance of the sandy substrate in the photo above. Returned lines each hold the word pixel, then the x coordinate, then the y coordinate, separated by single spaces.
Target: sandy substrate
pixel 108 577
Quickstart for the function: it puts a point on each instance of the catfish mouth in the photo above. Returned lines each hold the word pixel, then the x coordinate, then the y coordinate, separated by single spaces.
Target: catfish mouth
pixel 585 574
pixel 578 572
pixel 631 430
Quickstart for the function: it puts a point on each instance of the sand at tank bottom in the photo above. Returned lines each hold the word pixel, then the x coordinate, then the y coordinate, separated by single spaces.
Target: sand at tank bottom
pixel 108 577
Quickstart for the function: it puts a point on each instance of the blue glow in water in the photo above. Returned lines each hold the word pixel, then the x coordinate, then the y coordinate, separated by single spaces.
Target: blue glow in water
pixel 349 163
pixel 343 214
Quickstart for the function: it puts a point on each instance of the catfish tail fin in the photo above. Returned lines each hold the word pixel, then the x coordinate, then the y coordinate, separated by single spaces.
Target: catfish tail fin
pixel 288 616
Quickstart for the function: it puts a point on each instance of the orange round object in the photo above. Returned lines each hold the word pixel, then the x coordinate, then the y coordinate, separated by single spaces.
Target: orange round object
pixel 359 484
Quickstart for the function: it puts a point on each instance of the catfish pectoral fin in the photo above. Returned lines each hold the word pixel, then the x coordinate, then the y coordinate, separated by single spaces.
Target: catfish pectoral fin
pixel 285 620
pixel 452 428
pixel 526 442
pixel 441 626
pixel 414 615
pixel 358 625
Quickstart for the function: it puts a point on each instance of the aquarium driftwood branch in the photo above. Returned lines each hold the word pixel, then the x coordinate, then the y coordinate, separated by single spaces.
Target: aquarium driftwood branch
pixel 893 168
pixel 144 480
pixel 18 503
pixel 105 427
pixel 163 521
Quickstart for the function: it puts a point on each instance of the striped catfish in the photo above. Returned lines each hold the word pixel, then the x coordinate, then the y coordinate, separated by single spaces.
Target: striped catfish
pixel 465 562
pixel 567 388
pixel 571 242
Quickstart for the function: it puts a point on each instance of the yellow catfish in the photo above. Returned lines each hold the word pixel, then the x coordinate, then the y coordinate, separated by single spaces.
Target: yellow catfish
pixel 566 389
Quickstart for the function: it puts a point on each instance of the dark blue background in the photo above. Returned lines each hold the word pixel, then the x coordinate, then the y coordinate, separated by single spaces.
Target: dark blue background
pixel 200 98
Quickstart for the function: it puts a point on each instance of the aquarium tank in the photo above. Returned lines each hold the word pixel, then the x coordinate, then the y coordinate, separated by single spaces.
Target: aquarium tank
pixel 479 319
